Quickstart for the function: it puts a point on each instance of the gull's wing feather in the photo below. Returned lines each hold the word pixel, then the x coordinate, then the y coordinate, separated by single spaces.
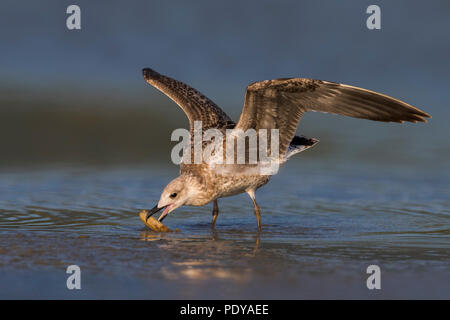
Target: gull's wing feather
pixel 280 104
pixel 196 106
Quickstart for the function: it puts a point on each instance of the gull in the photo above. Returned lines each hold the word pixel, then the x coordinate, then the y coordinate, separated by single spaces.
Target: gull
pixel 270 104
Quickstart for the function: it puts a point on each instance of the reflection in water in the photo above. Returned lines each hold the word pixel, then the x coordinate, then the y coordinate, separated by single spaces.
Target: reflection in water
pixel 201 271
pixel 208 249
pixel 150 236
pixel 257 237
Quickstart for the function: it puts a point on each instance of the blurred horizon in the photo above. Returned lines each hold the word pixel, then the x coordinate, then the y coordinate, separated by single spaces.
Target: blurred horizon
pixel 79 97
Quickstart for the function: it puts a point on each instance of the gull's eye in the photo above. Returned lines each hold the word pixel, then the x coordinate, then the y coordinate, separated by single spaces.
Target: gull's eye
pixel 173 195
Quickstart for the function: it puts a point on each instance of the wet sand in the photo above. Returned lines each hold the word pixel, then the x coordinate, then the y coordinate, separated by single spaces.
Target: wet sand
pixel 318 237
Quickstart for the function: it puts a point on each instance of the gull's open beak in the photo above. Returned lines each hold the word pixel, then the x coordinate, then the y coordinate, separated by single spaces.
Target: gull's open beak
pixel 153 211
pixel 164 213
pixel 156 209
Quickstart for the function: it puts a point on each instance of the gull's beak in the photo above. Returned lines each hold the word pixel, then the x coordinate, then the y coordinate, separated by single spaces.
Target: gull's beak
pixel 164 213
pixel 153 211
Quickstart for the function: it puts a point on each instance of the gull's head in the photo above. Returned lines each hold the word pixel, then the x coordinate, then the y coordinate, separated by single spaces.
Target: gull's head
pixel 175 194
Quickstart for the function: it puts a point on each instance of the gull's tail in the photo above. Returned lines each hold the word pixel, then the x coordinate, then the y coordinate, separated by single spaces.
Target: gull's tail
pixel 299 144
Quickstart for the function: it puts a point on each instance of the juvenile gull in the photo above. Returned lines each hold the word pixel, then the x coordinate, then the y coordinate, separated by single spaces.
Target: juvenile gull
pixel 271 104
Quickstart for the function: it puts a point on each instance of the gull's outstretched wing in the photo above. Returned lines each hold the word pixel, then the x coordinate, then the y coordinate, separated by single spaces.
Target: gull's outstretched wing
pixel 279 104
pixel 196 106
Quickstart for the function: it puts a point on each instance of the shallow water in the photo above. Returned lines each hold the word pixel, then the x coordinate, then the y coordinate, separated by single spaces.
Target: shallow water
pixel 323 224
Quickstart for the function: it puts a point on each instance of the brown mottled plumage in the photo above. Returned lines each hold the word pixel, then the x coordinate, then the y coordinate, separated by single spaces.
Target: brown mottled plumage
pixel 196 106
pixel 271 104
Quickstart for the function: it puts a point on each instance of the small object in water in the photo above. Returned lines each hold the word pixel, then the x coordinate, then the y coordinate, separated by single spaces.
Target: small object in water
pixel 152 223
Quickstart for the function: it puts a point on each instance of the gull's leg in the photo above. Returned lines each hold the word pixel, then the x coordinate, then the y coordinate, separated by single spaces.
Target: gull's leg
pixel 257 243
pixel 215 214
pixel 251 193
